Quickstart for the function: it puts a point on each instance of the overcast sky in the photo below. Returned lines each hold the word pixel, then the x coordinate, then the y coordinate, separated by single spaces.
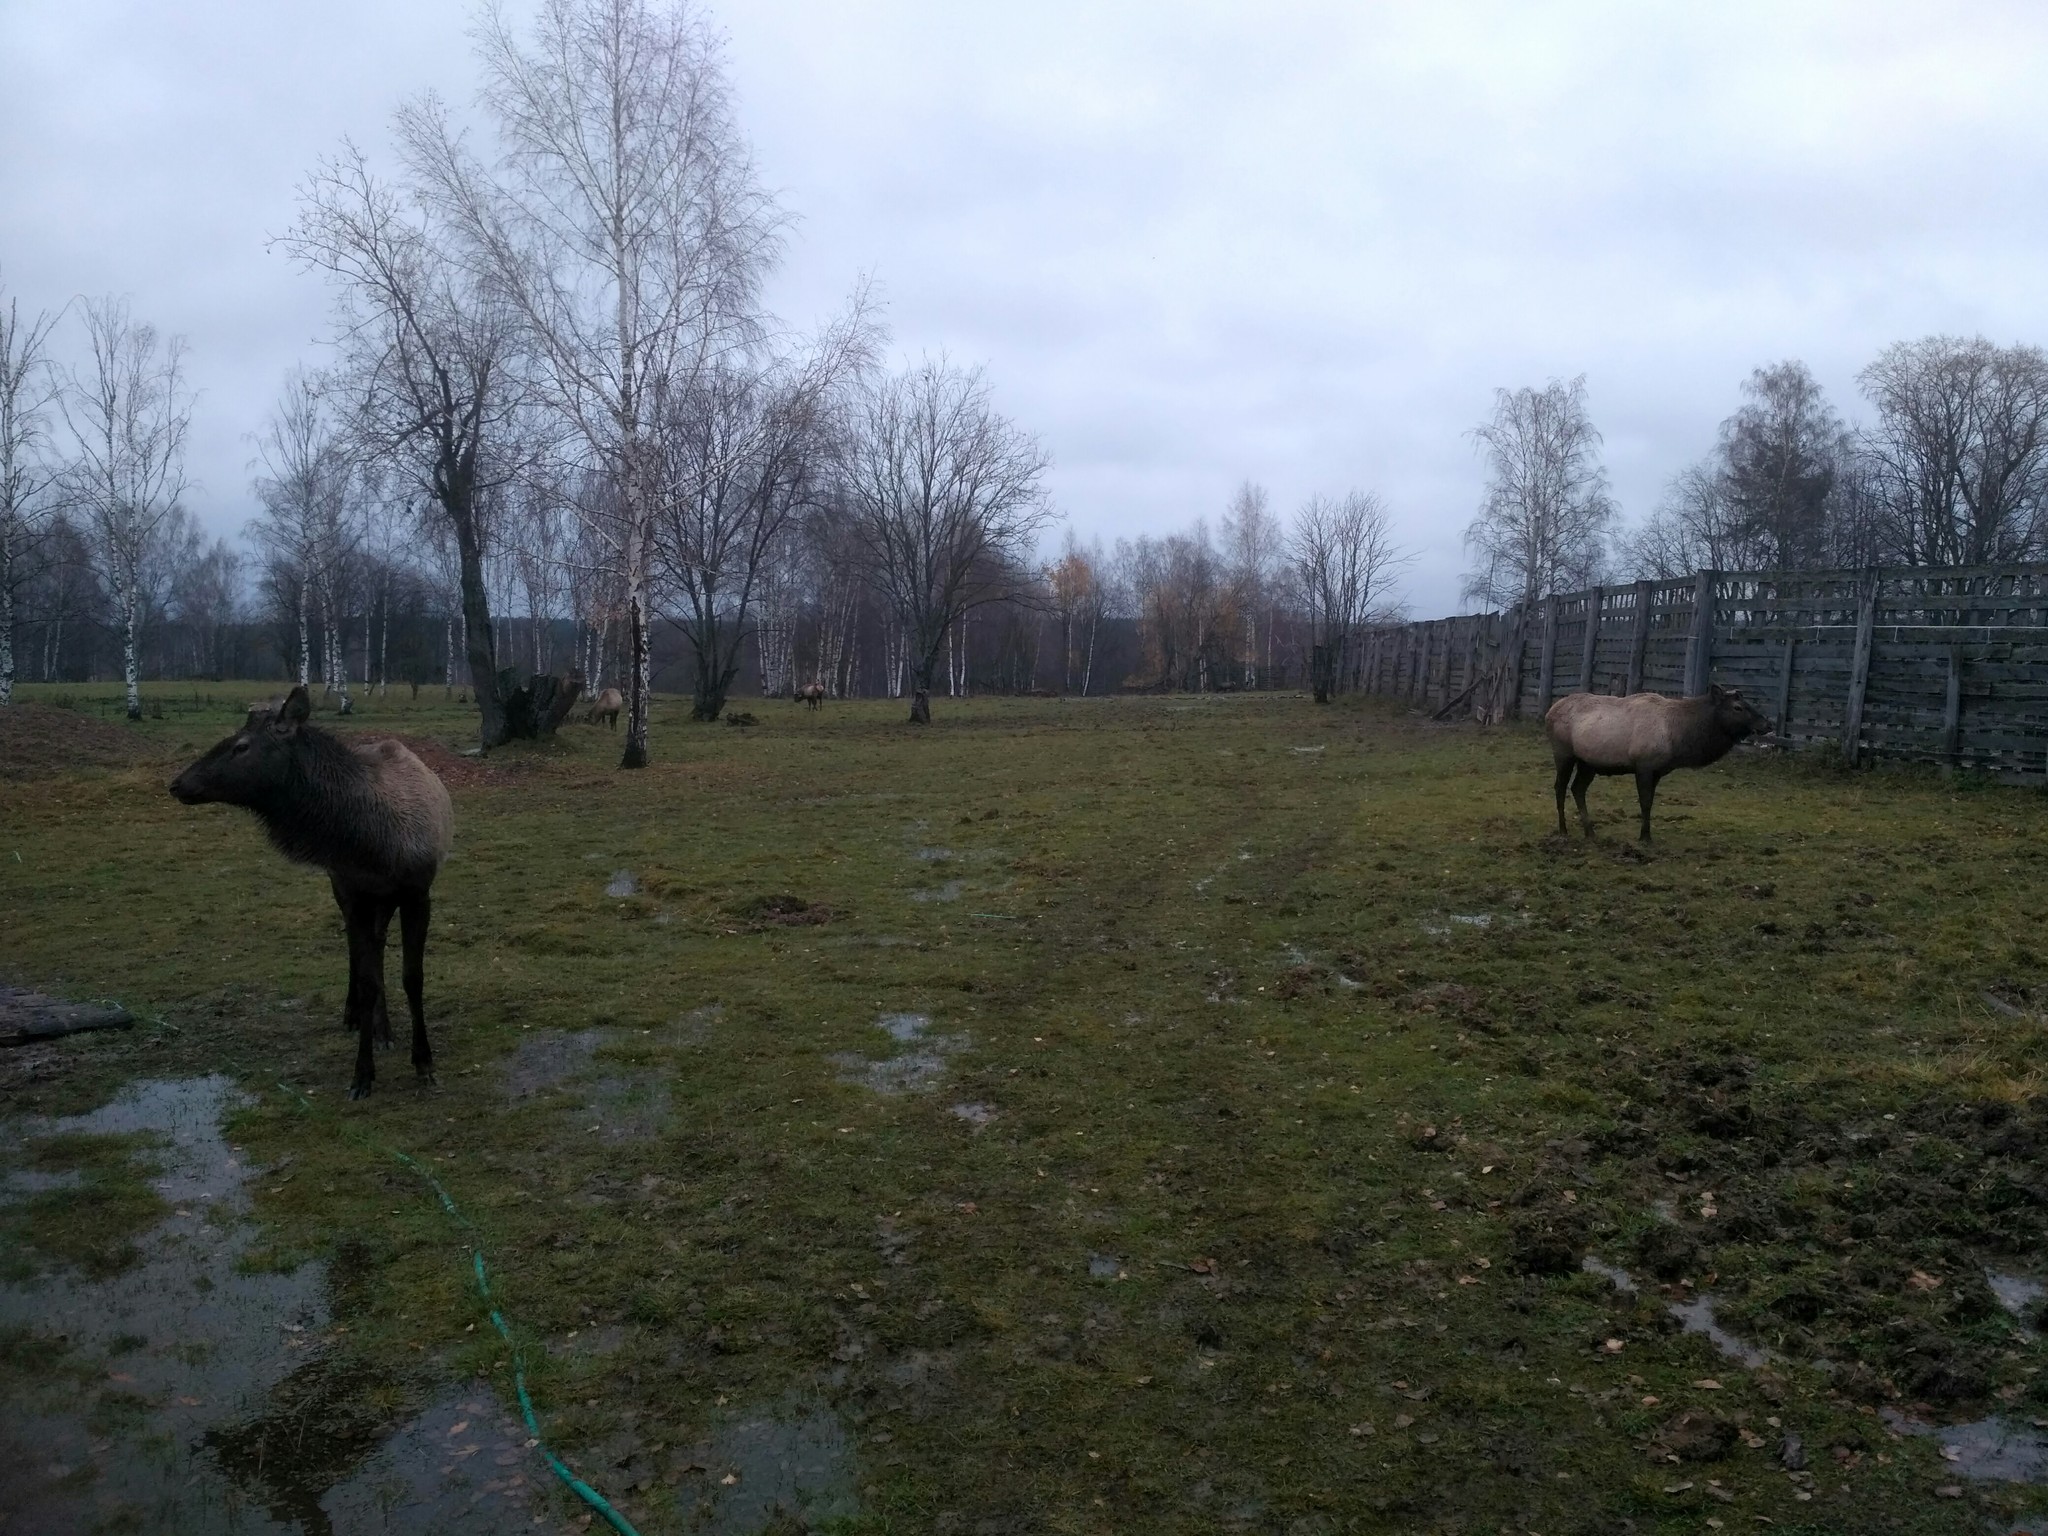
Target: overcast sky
pixel 1193 244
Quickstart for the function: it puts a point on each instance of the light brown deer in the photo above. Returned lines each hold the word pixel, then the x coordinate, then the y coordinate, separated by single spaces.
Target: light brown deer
pixel 1647 735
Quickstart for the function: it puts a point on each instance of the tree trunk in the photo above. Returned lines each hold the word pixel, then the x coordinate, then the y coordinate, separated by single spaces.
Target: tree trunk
pixel 6 615
pixel 130 670
pixel 641 676
pixel 305 640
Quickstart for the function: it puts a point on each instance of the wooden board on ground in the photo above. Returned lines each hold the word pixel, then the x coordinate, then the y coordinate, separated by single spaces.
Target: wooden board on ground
pixel 26 1017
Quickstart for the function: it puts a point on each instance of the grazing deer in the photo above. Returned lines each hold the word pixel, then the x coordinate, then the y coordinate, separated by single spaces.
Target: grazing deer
pixel 369 813
pixel 813 694
pixel 1644 734
pixel 605 706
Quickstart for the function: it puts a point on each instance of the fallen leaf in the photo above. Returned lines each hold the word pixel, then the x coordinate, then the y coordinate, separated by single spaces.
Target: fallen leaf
pixel 1951 1453
pixel 1948 1491
pixel 1614 1346
pixel 728 1480
pixel 1708 1384
pixel 1363 1429
pixel 1203 1266
pixel 1678 1487
pixel 459 1428
pixel 1403 1420
pixel 1920 1280
pixel 189 1402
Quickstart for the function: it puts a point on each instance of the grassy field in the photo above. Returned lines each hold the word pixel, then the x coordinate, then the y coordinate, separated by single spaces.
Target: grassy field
pixel 1174 1114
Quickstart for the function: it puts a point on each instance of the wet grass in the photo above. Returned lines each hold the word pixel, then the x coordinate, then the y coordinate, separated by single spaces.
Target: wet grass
pixel 1306 1065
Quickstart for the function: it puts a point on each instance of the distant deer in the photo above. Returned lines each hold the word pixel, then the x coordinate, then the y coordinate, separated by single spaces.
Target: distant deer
pixel 605 707
pixel 369 813
pixel 813 694
pixel 1646 735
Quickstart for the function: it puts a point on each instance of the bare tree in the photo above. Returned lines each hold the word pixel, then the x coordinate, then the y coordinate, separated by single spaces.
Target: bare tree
pixel 624 225
pixel 745 446
pixel 426 368
pixel 1254 545
pixel 946 500
pixel 1544 523
pixel 1344 554
pixel 1781 455
pixel 1960 449
pixel 308 525
pixel 28 388
pixel 128 410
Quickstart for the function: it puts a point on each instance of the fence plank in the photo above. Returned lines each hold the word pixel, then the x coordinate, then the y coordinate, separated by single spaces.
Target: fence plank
pixel 1700 659
pixel 1591 640
pixel 1859 671
pixel 1547 678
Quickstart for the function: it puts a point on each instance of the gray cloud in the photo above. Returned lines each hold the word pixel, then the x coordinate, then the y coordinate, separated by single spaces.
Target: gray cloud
pixel 1194 244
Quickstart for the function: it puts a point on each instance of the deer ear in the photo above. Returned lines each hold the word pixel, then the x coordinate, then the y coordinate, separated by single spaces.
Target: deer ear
pixel 297 706
pixel 1717 691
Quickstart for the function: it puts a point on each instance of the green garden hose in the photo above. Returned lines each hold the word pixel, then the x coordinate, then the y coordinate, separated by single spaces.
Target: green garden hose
pixel 570 1480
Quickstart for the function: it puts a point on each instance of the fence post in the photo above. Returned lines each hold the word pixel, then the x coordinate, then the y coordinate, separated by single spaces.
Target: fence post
pixel 1546 675
pixel 1952 710
pixel 1699 661
pixel 1472 633
pixel 1589 647
pixel 1785 690
pixel 1639 641
pixel 1859 671
pixel 1518 645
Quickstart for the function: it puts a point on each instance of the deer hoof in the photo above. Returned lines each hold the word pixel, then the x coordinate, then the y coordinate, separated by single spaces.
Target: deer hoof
pixel 359 1090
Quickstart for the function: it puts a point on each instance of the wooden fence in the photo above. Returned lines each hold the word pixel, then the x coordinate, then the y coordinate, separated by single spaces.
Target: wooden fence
pixel 1934 664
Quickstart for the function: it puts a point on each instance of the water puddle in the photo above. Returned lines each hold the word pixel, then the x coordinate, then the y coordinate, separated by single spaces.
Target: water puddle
pixel 1995 1450
pixel 1696 1315
pixel 622 884
pixel 770 1474
pixel 976 1115
pixel 952 890
pixel 1105 1266
pixel 906 1071
pixel 2018 1294
pixel 548 1058
pixel 462 1467
pixel 148 1360
pixel 933 855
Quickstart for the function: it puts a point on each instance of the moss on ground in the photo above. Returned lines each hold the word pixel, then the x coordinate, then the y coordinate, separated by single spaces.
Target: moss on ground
pixel 1282 1067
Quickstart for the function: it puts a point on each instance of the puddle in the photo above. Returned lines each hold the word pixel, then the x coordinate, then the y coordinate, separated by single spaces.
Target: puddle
pixel 2018 1294
pixel 1996 1450
pixel 34 1181
pixel 1306 750
pixel 179 1343
pixel 627 1108
pixel 932 855
pixel 950 891
pixel 768 1473
pixel 1104 1266
pixel 907 1071
pixel 976 1115
pixel 623 883
pixel 1697 1315
pixel 548 1058
pixel 460 1467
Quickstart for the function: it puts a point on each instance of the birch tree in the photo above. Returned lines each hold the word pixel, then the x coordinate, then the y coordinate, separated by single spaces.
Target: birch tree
pixel 946 499
pixel 623 223
pixel 128 411
pixel 1544 523
pixel 1343 553
pixel 28 389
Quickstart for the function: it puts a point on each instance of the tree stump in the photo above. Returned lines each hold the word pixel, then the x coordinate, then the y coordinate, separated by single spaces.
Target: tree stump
pixel 536 710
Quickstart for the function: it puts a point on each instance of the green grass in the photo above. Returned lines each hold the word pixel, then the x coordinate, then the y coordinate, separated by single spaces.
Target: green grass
pixel 1208 962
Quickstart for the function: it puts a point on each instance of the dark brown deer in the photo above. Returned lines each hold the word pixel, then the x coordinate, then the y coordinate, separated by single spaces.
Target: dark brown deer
pixel 605 707
pixel 369 813
pixel 1646 735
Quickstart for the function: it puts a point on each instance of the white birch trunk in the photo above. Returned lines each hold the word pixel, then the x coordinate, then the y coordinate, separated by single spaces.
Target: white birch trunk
pixel 131 672
pixel 305 641
pixel 6 616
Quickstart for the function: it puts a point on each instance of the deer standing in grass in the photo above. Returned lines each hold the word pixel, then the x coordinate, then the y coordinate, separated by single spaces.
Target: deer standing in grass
pixel 812 694
pixel 1646 735
pixel 372 815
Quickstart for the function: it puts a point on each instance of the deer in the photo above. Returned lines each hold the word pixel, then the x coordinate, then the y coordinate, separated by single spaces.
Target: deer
pixel 374 817
pixel 1644 734
pixel 813 694
pixel 605 706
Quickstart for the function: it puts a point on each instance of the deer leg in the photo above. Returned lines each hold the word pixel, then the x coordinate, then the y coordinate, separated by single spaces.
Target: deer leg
pixel 362 925
pixel 413 912
pixel 1564 779
pixel 1580 781
pixel 346 902
pixel 381 1013
pixel 1646 795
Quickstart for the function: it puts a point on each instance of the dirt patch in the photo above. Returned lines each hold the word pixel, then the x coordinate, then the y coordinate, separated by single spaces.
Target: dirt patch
pixel 41 741
pixel 782 911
